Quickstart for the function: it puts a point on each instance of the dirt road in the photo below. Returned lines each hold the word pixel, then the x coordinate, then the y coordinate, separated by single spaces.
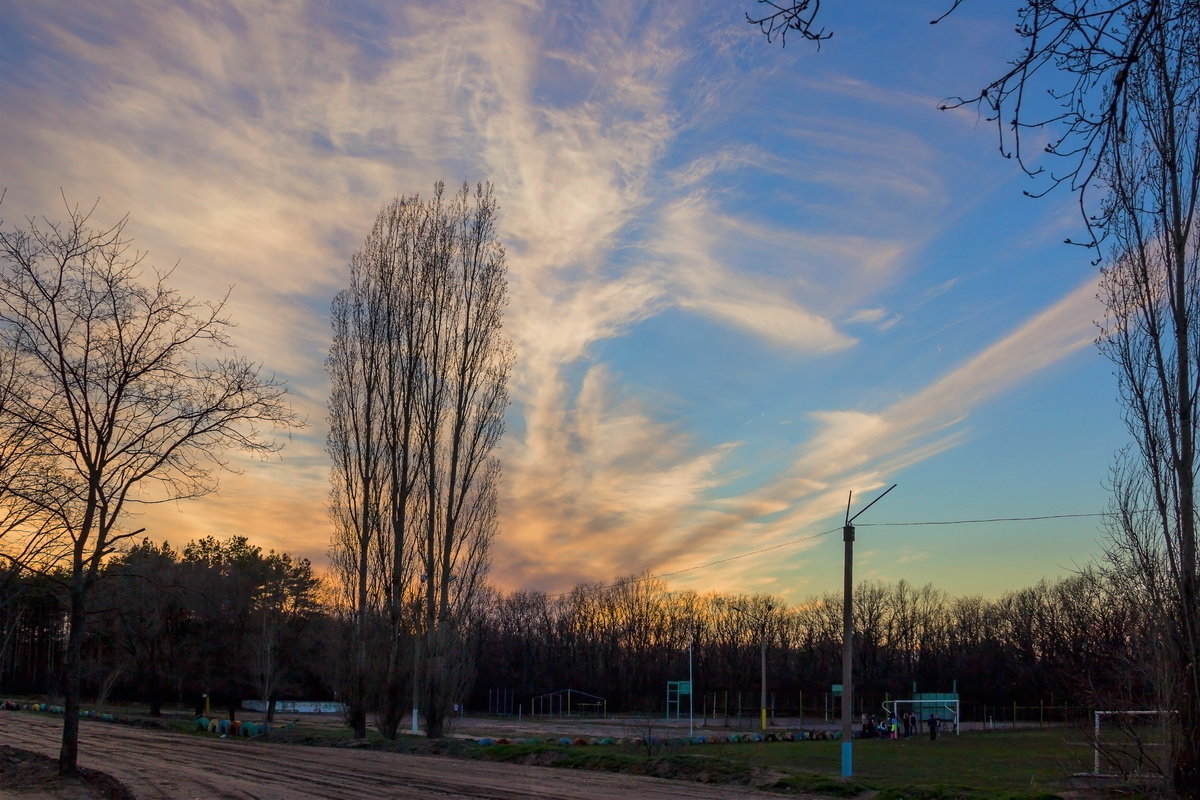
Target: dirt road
pixel 155 764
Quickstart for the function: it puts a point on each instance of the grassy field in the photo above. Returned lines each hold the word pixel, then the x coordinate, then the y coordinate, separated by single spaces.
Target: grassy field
pixel 1028 762
pixel 1001 764
pixel 1023 763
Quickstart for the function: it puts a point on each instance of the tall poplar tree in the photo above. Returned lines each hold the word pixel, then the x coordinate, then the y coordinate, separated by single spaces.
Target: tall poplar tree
pixel 420 369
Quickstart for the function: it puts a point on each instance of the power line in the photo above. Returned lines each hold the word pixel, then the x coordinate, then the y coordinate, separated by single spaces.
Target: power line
pixel 977 521
pixel 810 537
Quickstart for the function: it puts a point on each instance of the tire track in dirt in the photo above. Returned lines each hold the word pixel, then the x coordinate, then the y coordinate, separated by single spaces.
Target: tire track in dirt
pixel 155 764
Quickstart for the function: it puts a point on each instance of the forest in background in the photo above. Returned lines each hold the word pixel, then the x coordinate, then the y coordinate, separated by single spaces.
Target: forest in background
pixel 226 618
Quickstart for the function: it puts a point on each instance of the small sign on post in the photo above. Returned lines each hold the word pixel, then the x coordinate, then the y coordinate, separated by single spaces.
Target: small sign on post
pixel 837 689
pixel 676 690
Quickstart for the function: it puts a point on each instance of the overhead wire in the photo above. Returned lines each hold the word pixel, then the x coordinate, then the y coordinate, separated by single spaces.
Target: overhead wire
pixel 975 521
pixel 810 537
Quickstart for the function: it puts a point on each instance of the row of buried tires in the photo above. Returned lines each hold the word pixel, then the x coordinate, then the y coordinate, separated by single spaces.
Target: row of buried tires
pixel 224 727
pixel 655 741
pixel 238 728
pixel 232 727
pixel 47 708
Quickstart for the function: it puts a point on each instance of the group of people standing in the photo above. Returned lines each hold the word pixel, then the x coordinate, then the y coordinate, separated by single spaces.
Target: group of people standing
pixel 891 727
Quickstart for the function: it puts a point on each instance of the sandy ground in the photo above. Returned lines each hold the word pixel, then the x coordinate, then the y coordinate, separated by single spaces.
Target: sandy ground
pixel 156 764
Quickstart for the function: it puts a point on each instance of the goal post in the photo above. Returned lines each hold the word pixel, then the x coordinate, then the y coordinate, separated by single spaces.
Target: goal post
pixel 945 710
pixel 1133 747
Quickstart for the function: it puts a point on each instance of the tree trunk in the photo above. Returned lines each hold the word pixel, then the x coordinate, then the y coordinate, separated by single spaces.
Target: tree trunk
pixel 68 756
pixel 358 699
pixel 435 714
pixel 1185 771
pixel 154 690
pixel 392 706
pixel 357 714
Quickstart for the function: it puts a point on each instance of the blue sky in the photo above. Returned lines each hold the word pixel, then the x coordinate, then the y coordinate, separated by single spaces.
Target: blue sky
pixel 745 280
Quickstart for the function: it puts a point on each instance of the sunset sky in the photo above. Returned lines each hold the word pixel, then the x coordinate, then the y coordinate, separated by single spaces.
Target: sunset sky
pixel 745 279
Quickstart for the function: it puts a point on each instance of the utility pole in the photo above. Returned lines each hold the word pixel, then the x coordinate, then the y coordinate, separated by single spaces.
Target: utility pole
pixel 848 636
pixel 762 633
pixel 763 701
pixel 691 685
pixel 848 649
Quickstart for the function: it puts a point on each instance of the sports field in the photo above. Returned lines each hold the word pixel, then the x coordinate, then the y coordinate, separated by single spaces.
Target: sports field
pixel 1022 761
pixel 1026 763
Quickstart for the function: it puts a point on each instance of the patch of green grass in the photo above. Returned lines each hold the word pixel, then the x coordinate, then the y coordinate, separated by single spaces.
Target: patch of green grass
pixel 1000 765
pixel 978 764
pixel 516 752
pixel 939 792
pixel 692 766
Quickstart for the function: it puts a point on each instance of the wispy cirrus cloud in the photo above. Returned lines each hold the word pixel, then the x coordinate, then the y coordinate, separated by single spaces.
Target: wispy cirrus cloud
pixel 862 450
pixel 642 167
pixel 608 495
pixel 693 243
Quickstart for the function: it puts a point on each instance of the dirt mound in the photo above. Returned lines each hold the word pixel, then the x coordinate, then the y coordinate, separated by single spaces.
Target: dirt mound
pixel 33 775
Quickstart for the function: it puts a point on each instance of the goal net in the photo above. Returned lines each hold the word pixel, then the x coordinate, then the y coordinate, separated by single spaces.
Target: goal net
pixel 945 710
pixel 1127 743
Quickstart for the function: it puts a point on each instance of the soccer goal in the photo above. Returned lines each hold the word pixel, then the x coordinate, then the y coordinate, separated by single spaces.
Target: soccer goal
pixel 1128 743
pixel 945 710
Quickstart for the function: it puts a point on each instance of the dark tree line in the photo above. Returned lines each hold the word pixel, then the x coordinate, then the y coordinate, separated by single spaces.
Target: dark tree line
pixel 227 618
pixel 220 618
pixel 1066 641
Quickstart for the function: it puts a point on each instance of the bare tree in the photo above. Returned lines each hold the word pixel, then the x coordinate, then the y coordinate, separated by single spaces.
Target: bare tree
pixel 378 356
pixel 131 392
pixel 356 494
pixel 399 251
pixel 1151 288
pixel 379 340
pixel 463 398
pixel 1117 82
pixel 420 371
pixel 1070 77
pixel 799 16
pixel 28 540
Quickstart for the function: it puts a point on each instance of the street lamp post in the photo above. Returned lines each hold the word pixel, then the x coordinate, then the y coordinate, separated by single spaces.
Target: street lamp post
pixel 763 678
pixel 762 632
pixel 691 686
pixel 848 636
pixel 848 653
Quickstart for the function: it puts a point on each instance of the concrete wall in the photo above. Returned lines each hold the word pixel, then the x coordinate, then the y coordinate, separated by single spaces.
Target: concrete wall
pixel 297 706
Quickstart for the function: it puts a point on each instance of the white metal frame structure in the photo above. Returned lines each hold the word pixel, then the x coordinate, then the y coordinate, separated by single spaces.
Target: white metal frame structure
pixel 1097 716
pixel 950 705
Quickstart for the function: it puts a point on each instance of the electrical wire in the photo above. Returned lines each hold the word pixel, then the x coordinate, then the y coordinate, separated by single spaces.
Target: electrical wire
pixel 810 537
pixel 976 521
